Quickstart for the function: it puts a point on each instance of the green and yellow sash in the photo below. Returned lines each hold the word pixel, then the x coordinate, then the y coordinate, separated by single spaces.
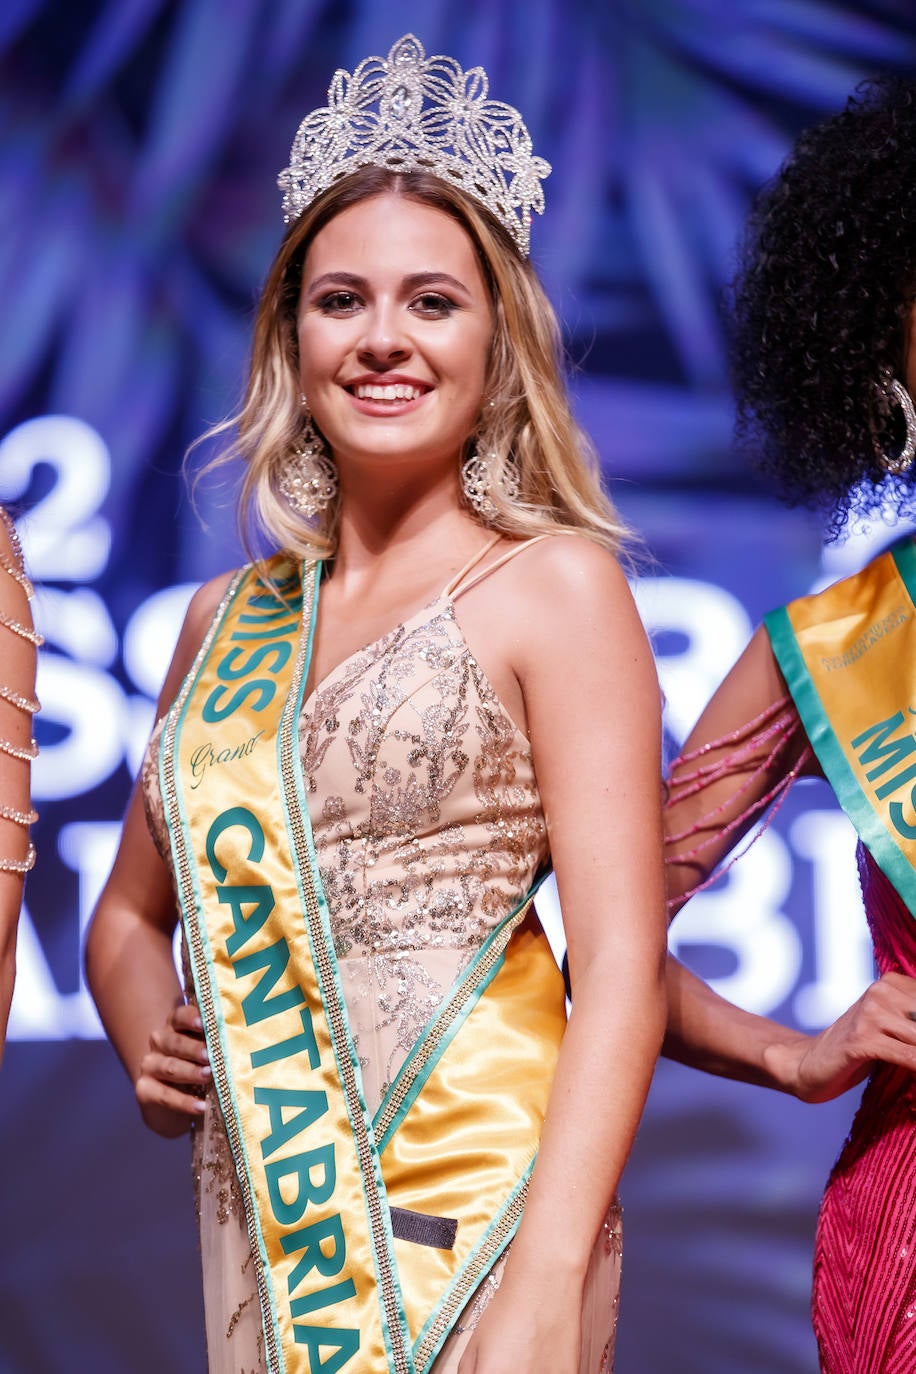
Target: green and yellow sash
pixel 848 655
pixel 369 1236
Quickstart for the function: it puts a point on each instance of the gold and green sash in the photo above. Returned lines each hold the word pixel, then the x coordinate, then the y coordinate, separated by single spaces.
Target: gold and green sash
pixel 369 1235
pixel 848 655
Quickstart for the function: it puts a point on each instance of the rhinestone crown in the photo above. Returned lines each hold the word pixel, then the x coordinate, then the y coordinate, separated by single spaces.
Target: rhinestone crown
pixel 414 113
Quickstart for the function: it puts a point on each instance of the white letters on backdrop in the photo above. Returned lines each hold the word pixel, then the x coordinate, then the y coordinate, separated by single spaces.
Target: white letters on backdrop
pixel 102 724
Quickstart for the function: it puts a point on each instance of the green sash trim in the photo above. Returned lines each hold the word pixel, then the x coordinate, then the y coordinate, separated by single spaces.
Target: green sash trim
pixel 493 1244
pixel 206 992
pixel 839 745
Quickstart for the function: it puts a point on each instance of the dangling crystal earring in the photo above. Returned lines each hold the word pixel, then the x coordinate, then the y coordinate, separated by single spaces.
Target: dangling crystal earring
pixel 891 390
pixel 309 477
pixel 481 473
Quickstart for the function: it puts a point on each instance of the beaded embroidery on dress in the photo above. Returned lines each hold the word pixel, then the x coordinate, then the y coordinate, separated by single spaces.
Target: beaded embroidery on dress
pixel 428 830
pixel 427 825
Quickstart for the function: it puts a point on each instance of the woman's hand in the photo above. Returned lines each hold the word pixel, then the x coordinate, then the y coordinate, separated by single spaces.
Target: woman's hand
pixel 172 1073
pixel 527 1332
pixel 881 1025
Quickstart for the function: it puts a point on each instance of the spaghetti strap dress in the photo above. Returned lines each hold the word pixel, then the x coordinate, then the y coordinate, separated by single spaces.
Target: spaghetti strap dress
pixel 428 830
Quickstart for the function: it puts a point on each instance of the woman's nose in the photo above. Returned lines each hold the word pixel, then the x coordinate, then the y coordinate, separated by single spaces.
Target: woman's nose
pixel 384 340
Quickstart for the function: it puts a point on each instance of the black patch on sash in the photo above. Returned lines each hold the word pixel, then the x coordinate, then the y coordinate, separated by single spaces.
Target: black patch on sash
pixel 421 1229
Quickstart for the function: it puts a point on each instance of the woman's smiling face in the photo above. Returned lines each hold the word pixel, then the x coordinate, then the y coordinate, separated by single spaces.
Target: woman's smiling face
pixel 394 326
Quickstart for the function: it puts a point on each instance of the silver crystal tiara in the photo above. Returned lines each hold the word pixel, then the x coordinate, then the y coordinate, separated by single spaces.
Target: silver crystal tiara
pixel 413 113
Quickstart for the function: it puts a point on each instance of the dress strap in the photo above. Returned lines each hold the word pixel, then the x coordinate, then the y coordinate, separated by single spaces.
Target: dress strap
pixel 455 587
pixel 472 562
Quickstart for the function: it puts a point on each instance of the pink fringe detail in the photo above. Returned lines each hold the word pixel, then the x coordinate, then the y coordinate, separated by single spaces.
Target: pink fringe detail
pixel 779 723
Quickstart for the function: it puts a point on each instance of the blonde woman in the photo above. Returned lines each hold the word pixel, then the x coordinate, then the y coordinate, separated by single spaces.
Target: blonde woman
pixel 17 749
pixel 372 747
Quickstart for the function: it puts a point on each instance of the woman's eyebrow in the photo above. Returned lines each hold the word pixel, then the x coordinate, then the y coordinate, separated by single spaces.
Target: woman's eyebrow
pixel 338 279
pixel 414 282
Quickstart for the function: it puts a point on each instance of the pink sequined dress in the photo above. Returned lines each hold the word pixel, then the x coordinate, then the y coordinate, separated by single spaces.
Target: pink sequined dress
pixel 428 829
pixel 864 1303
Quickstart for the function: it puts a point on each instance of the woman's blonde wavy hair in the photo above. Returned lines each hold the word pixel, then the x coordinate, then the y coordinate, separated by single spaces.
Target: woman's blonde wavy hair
pixel 529 418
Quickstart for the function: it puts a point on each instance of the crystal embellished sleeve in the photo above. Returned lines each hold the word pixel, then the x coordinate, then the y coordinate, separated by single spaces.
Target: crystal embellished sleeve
pixel 18 704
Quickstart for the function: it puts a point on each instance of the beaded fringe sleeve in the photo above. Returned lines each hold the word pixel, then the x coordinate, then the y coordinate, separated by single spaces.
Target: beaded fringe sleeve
pixel 14 568
pixel 754 753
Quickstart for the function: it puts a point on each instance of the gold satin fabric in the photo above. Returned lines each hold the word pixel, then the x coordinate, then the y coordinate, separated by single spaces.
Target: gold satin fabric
pixel 474 1125
pixel 848 656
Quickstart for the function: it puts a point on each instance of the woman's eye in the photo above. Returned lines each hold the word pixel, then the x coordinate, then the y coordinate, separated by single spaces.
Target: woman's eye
pixel 339 303
pixel 433 304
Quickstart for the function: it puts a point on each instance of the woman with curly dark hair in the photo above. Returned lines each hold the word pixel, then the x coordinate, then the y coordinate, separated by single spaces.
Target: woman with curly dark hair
pixel 825 370
pixel 823 308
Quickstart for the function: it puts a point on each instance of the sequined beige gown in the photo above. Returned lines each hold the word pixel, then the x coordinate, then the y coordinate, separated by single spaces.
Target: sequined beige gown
pixel 428 830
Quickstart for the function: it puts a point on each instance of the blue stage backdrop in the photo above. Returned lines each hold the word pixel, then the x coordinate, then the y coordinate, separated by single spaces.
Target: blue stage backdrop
pixel 139 143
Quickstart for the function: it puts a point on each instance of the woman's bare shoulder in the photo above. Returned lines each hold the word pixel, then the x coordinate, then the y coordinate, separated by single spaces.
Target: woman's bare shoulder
pixel 751 687
pixel 569 586
pixel 202 608
pixel 567 569
pixel 205 602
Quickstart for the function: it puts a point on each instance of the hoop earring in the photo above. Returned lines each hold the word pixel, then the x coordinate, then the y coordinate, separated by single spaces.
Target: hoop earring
pixel 893 391
pixel 308 480
pixel 482 474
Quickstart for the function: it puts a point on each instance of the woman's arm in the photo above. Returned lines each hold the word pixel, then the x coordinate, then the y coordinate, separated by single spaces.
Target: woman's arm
pixel 593 706
pixel 743 751
pixel 710 1033
pixel 746 746
pixel 130 963
pixel 17 701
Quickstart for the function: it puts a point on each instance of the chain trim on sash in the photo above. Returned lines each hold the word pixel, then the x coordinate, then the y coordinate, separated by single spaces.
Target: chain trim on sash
pixel 288 744
pixel 432 1337
pixel 204 996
